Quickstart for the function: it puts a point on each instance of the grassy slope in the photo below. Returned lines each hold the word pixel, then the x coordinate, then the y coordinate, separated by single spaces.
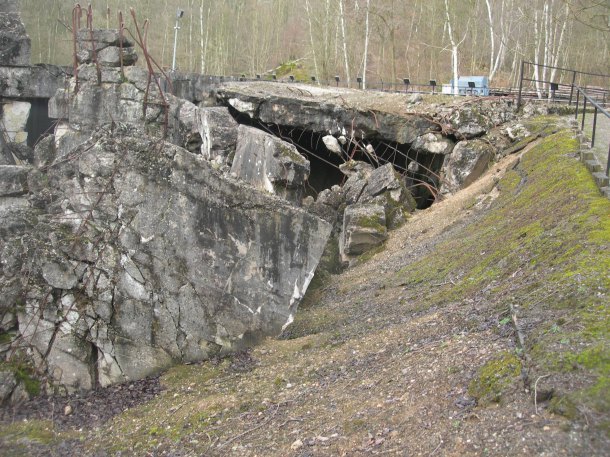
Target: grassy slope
pixel 393 355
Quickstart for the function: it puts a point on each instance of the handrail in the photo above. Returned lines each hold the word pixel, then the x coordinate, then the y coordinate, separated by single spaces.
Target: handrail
pixel 597 107
pixel 553 84
pixel 567 69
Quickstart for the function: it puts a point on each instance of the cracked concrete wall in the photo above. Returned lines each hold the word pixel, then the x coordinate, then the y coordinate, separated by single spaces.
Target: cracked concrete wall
pixel 138 255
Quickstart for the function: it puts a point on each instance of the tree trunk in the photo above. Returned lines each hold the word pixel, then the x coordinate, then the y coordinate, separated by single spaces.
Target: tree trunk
pixel 366 45
pixel 313 47
pixel 492 42
pixel 201 40
pixel 454 52
pixel 345 58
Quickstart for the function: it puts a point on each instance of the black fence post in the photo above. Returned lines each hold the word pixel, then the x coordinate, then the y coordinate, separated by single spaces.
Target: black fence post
pixel 584 112
pixel 572 88
pixel 520 85
pixel 594 127
pixel 577 101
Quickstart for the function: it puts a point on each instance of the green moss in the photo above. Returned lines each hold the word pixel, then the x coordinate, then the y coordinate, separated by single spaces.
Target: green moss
pixel 33 430
pixel 510 182
pixel 543 245
pixel 293 68
pixel 178 374
pixel 24 373
pixel 494 378
pixel 5 338
pixel 286 151
pixel 373 222
pixel 564 406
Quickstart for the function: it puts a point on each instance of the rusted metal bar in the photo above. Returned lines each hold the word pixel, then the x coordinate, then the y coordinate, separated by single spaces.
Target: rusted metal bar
pixel 93 49
pixel 121 35
pixel 151 73
pixel 76 13
pixel 584 112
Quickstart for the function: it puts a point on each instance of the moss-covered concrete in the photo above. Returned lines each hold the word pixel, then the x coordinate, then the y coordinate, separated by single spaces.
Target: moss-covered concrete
pixel 544 248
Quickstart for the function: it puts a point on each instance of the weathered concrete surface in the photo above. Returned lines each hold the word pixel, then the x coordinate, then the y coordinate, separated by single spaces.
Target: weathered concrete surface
pixel 364 227
pixel 196 88
pixel 433 143
pixel 469 160
pixel 270 164
pixel 39 81
pixel 14 115
pixel 218 132
pixel 140 255
pixel 119 100
pixel 15 45
pixel 13 180
pixel 324 110
pixel 363 115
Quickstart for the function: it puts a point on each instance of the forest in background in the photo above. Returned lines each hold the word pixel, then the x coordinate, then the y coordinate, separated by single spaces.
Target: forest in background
pixel 378 40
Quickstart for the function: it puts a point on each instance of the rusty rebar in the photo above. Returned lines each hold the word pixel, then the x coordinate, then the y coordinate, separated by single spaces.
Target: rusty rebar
pixel 149 65
pixel 93 48
pixel 121 27
pixel 76 14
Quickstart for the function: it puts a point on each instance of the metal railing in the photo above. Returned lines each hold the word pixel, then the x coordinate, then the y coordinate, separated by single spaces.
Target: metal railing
pixel 596 109
pixel 403 85
pixel 562 85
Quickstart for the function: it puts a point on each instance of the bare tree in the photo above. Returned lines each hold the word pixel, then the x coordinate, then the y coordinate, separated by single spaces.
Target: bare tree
pixel 366 44
pixel 313 46
pixel 344 41
pixel 454 51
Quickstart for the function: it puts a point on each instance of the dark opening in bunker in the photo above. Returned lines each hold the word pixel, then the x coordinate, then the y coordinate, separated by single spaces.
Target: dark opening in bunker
pixel 38 123
pixel 420 171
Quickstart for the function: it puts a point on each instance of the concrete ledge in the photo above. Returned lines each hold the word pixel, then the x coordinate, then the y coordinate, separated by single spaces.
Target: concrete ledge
pixel 593 165
pixel 40 81
pixel 596 169
pixel 601 179
pixel 586 154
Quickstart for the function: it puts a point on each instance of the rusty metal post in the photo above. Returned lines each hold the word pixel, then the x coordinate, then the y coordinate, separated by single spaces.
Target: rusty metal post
pixel 608 162
pixel 584 112
pixel 121 30
pixel 577 101
pixel 520 85
pixel 76 14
